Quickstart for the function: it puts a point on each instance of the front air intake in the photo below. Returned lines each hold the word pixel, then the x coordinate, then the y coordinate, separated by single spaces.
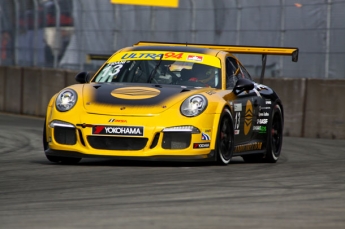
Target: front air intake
pixel 65 135
pixel 176 140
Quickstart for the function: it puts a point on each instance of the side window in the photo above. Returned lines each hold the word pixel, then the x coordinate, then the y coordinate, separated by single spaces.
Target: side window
pixel 245 74
pixel 231 72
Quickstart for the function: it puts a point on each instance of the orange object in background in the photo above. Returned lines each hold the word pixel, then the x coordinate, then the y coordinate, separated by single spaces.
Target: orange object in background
pixel 165 3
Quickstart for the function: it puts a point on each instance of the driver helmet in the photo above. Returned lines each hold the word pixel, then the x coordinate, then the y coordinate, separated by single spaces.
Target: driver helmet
pixel 204 73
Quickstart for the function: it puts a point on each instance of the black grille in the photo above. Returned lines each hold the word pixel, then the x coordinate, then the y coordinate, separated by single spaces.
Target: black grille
pixel 176 140
pixel 117 143
pixel 65 135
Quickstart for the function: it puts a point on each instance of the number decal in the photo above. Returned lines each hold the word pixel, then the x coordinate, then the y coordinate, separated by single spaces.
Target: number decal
pixel 237 120
pixel 173 55
pixel 116 69
pixel 109 73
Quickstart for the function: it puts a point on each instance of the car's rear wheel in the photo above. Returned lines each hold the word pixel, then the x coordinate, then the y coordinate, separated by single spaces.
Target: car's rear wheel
pixel 56 159
pixel 275 136
pixel 274 140
pixel 225 138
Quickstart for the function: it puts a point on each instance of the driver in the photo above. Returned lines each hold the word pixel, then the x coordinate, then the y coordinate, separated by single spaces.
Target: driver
pixel 204 74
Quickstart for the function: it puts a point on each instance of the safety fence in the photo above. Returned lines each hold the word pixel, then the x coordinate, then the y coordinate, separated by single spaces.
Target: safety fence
pixel 60 33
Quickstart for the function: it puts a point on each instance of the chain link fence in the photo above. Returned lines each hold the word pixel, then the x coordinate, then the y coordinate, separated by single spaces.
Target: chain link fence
pixel 61 33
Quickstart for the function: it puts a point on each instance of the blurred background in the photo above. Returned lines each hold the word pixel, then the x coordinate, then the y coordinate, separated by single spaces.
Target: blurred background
pixel 61 33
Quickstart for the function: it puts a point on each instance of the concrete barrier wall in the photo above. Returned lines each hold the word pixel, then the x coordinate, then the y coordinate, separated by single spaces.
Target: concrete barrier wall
pixel 53 81
pixel 13 90
pixel 325 110
pixel 32 93
pixel 291 93
pixel 312 107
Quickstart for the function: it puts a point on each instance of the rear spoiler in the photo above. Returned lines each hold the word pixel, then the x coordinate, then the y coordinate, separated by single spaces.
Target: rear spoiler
pixel 263 50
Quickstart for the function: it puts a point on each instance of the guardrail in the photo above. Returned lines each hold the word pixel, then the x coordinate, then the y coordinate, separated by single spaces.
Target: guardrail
pixel 313 108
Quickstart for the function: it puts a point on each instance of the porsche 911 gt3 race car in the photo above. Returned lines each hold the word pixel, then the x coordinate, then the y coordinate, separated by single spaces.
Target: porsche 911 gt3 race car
pixel 168 101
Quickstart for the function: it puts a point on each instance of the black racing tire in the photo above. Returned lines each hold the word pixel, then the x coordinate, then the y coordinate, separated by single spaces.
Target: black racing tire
pixel 275 136
pixel 274 140
pixel 57 159
pixel 225 138
pixel 44 137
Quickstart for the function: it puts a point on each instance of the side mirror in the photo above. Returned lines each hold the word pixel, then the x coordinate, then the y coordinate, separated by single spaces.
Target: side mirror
pixel 82 77
pixel 243 85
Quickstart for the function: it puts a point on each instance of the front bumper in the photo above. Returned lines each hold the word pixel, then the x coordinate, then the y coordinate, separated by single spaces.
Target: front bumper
pixel 78 139
pixel 61 153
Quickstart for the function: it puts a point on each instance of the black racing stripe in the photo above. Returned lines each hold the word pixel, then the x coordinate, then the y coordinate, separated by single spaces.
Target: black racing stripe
pixel 102 95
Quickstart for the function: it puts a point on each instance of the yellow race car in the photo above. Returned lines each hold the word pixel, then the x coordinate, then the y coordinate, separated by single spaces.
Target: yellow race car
pixel 168 101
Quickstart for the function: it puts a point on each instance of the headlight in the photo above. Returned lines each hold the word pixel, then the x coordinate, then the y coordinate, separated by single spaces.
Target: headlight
pixel 66 100
pixel 194 105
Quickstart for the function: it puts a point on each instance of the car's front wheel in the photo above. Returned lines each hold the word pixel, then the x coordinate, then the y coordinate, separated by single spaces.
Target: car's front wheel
pixel 225 138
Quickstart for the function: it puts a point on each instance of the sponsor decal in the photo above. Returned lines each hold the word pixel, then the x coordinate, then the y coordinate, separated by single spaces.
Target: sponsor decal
pixel 205 136
pixel 207 131
pixel 237 132
pixel 248 147
pixel 237 107
pixel 268 102
pixel 195 58
pixel 248 117
pixel 119 130
pixel 237 120
pixel 118 62
pixel 138 55
pixel 117 120
pixel 201 145
pixel 262 121
pixel 263 114
pixel 260 129
pixel 141 56
pixel 173 55
pixel 264 108
pixel 120 120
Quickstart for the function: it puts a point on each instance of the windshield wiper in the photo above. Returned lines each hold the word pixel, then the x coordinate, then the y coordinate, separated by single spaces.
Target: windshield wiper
pixel 153 72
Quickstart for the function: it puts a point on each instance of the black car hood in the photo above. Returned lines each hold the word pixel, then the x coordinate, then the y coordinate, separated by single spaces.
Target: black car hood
pixel 133 99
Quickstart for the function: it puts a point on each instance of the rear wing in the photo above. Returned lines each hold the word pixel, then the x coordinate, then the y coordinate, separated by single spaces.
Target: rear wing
pixel 264 50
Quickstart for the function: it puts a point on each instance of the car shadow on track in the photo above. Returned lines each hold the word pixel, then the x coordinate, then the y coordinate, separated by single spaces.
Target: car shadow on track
pixel 140 163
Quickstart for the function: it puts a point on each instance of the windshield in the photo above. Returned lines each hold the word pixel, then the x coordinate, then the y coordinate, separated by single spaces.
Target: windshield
pixel 160 71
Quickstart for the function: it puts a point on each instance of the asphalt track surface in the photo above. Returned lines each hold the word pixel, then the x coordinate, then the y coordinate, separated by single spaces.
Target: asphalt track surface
pixel 304 189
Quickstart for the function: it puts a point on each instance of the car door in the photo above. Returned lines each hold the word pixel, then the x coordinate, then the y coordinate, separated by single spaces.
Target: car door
pixel 246 106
